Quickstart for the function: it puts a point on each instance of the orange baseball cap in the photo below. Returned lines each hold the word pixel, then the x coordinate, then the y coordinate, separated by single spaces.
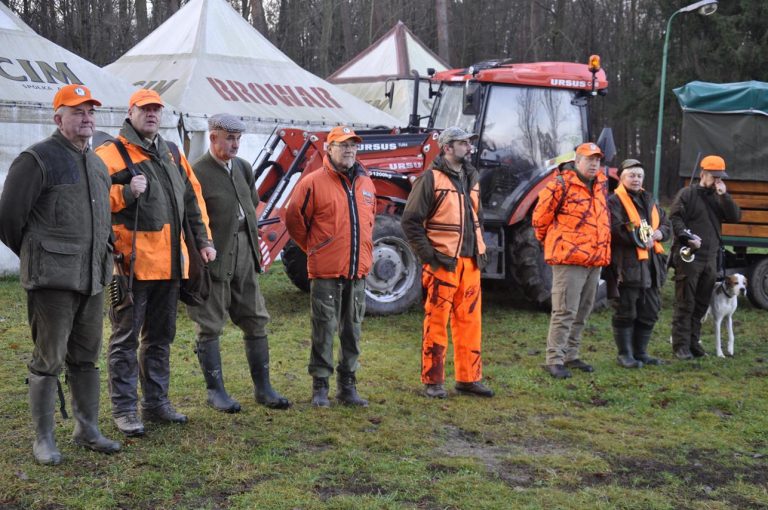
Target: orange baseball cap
pixel 73 95
pixel 714 165
pixel 143 97
pixel 589 149
pixel 341 134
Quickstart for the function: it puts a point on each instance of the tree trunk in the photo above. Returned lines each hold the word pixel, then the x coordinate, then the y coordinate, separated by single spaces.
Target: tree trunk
pixel 142 22
pixel 443 34
pixel 258 19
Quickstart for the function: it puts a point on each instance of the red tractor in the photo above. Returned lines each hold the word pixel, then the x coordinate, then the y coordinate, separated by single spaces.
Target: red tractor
pixel 529 117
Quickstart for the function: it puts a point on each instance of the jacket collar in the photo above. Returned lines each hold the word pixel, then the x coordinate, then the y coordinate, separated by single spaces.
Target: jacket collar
pixel 442 165
pixel 134 138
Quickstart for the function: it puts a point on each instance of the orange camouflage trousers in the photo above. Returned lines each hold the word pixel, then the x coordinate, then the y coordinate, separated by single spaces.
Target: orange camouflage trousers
pixel 452 296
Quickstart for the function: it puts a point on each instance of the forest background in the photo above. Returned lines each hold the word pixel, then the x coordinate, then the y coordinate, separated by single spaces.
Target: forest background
pixel 322 35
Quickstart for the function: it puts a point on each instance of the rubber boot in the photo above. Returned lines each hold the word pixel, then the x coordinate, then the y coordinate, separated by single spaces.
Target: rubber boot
pixel 623 338
pixel 84 386
pixel 320 392
pixel 209 356
pixel 640 341
pixel 347 391
pixel 257 353
pixel 42 404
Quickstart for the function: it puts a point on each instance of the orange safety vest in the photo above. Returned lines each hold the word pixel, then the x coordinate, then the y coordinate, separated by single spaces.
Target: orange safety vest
pixel 445 226
pixel 634 220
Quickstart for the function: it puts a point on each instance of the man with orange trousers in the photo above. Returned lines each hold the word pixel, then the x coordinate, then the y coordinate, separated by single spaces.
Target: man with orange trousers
pixel 572 220
pixel 443 222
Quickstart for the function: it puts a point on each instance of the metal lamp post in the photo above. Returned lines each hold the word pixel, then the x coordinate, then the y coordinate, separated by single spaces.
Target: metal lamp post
pixel 705 8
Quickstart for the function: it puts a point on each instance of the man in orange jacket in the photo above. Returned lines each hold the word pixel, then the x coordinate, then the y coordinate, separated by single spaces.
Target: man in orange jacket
pixel 151 204
pixel 443 222
pixel 330 216
pixel 571 219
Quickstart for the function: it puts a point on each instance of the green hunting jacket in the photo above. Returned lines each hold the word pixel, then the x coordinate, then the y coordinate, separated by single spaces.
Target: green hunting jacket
pixel 54 214
pixel 223 193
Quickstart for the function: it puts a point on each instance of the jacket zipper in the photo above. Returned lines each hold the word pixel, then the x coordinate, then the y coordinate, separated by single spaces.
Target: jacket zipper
pixel 354 227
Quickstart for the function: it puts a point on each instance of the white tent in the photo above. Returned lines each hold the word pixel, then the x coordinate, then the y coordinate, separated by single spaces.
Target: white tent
pixel 32 71
pixel 391 58
pixel 207 59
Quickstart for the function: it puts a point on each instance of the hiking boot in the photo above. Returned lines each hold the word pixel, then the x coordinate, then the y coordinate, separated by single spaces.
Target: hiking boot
pixel 347 390
pixel 130 425
pixel 163 414
pixel 558 371
pixel 476 389
pixel 320 392
pixel 683 354
pixel 435 391
pixel 577 364
pixel 697 351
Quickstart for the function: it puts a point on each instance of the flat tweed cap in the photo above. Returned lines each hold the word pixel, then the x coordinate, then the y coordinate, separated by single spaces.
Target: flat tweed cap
pixel 226 122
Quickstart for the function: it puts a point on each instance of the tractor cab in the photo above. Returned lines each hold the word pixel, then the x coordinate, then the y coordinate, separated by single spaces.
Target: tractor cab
pixel 524 114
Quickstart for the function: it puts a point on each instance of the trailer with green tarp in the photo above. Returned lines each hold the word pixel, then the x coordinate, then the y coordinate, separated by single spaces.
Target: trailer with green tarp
pixel 731 120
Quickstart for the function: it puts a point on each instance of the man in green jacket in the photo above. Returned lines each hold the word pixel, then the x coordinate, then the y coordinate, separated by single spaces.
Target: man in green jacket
pixel 54 214
pixel 231 199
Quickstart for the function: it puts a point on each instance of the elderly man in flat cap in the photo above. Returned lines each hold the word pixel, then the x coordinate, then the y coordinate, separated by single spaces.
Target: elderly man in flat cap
pixel 231 199
pixel 697 214
pixel 54 214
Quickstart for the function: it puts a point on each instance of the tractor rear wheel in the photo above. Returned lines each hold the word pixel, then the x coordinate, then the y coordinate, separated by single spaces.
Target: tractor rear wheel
pixel 295 265
pixel 394 283
pixel 526 267
pixel 529 272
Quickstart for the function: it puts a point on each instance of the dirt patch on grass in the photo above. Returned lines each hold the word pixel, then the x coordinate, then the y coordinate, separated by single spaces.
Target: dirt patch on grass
pixel 354 485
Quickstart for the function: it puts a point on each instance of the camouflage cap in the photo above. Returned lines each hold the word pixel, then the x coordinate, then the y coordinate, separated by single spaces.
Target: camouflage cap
pixel 453 134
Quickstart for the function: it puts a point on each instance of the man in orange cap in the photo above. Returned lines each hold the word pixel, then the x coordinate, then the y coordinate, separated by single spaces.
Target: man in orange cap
pixel 697 215
pixel 153 191
pixel 54 214
pixel 330 216
pixel 572 221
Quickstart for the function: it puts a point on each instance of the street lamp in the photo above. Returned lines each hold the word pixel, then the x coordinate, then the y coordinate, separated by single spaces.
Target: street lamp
pixel 705 8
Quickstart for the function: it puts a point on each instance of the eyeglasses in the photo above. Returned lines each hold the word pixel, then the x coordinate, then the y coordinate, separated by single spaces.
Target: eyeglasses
pixel 346 145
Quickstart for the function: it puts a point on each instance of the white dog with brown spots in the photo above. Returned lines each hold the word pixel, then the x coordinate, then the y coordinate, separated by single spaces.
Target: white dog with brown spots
pixel 723 305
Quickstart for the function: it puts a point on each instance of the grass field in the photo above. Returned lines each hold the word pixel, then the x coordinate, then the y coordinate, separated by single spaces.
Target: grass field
pixel 684 435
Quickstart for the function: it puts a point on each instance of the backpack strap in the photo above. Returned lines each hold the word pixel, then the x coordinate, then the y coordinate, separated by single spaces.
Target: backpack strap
pixel 175 154
pixel 126 157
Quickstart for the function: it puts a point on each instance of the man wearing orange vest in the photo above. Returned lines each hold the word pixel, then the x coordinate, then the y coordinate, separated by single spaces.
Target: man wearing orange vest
pixel 571 219
pixel 443 222
pixel 638 227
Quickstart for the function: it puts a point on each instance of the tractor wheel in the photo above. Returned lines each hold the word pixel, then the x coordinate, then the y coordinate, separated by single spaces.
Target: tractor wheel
pixel 529 272
pixel 526 267
pixel 757 290
pixel 295 265
pixel 394 283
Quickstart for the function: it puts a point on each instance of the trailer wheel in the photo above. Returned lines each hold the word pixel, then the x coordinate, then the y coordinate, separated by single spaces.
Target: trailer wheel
pixel 757 290
pixel 295 265
pixel 527 270
pixel 394 283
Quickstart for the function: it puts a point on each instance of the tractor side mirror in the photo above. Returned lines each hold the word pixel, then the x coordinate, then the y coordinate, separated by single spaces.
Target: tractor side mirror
pixel 389 91
pixel 471 98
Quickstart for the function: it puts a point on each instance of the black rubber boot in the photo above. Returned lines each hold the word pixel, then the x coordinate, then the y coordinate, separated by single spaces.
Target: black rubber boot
pixel 84 386
pixel 320 392
pixel 623 338
pixel 640 341
pixel 42 404
pixel 209 356
pixel 257 353
pixel 347 390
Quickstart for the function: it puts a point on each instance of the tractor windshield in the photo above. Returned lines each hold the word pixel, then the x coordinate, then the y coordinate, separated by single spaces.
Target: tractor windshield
pixel 449 110
pixel 525 126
